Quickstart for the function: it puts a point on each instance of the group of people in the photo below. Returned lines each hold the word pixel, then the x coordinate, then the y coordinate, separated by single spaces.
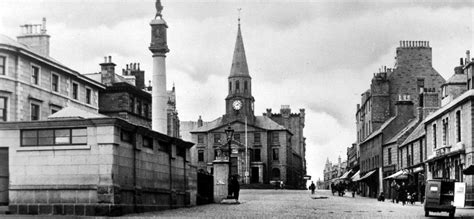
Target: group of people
pixel 403 193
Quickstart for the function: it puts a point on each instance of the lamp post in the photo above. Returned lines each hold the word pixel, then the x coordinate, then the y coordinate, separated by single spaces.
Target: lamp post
pixel 229 132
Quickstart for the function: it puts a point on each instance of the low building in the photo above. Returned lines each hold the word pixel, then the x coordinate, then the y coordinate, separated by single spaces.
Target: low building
pixel 94 165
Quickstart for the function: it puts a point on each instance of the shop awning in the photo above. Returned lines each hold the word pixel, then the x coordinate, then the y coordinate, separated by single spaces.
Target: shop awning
pixel 418 169
pixel 469 170
pixel 367 175
pixel 345 175
pixel 356 176
pixel 402 174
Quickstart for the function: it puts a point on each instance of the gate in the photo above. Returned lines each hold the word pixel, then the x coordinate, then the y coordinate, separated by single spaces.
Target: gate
pixel 205 188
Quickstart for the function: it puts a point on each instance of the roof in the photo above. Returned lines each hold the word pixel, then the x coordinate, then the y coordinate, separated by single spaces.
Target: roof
pixel 416 134
pixel 73 112
pixel 378 131
pixel 466 95
pixel 457 79
pixel 239 61
pixel 406 129
pixel 9 42
pixel 262 122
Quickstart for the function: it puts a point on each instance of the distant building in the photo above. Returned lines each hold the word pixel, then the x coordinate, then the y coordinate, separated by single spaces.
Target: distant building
pixel 275 142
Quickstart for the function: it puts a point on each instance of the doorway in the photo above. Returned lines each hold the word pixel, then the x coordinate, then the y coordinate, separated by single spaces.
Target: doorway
pixel 254 177
pixel 4 176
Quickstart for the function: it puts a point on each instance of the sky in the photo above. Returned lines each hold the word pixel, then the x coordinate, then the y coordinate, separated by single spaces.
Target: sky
pixel 316 55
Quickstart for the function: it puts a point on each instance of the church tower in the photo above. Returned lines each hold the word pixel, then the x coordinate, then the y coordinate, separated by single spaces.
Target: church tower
pixel 239 101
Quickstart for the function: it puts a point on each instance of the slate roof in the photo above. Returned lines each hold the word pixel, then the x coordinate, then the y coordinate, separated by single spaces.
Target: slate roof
pixel 406 129
pixel 239 61
pixel 73 112
pixel 262 122
pixel 417 133
pixel 378 131
pixel 457 78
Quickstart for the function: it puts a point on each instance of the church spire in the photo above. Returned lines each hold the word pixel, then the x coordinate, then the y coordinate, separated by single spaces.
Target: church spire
pixel 239 61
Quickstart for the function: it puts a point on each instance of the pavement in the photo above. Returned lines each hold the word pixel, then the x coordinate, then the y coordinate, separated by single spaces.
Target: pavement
pixel 291 204
pixel 301 204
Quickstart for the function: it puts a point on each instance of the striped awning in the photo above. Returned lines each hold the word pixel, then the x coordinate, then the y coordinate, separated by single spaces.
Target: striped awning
pixel 367 175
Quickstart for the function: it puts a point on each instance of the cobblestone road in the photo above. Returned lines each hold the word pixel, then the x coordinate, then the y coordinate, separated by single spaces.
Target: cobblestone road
pixel 300 204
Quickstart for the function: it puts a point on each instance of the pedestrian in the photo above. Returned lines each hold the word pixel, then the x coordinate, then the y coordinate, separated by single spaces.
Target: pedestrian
pixel 333 188
pixel 234 187
pixel 394 186
pixel 353 190
pixel 402 193
pixel 312 187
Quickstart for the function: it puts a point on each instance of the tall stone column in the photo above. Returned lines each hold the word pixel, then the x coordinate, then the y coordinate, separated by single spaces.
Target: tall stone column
pixel 159 48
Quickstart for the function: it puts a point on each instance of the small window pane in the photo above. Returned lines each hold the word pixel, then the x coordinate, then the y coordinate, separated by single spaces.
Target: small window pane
pixel 29 141
pixel 62 136
pixel 32 133
pixel 79 140
pixel 79 132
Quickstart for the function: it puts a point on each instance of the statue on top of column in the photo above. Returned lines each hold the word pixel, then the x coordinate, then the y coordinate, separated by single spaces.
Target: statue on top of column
pixel 159 8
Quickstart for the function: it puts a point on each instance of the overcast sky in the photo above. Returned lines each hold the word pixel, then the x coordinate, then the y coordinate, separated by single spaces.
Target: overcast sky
pixel 317 55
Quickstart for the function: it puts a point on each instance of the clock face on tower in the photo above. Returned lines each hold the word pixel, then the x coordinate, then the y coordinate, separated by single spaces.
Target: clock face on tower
pixel 237 104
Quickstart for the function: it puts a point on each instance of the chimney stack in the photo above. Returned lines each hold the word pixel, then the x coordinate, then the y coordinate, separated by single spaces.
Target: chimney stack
pixel 35 39
pixel 107 71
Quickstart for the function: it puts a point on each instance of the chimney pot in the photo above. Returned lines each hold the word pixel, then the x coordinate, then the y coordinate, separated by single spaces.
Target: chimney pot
pixel 110 59
pixel 105 59
pixel 138 66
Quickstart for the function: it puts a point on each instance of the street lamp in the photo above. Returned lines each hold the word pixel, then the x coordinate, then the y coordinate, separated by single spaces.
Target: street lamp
pixel 229 132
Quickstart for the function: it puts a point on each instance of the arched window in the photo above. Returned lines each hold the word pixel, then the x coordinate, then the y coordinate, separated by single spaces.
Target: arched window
pixel 245 86
pixel 230 86
pixel 237 85
pixel 276 173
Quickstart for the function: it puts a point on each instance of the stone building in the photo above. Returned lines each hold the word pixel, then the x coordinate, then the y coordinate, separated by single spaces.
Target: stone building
pixel 449 131
pixel 34 85
pixel 275 142
pixel 126 96
pixel 391 89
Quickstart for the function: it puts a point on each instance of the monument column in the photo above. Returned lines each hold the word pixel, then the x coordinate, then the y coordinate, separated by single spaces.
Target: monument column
pixel 159 48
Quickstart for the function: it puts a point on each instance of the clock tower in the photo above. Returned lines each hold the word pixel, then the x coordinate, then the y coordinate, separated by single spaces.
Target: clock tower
pixel 239 101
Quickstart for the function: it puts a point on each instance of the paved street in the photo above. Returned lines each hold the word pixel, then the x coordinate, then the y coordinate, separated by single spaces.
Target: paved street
pixel 300 204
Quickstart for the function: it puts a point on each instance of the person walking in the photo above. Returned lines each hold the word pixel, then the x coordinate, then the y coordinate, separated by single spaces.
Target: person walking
pixel 402 193
pixel 312 187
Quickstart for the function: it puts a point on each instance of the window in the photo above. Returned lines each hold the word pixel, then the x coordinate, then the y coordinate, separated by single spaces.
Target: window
pixel 2 65
pixel 55 82
pixel 389 156
pixel 35 111
pixel 200 139
pixel 275 139
pixel 445 131
pixel 132 104
pixel 164 146
pixel 276 155
pixel 75 90
pixel 88 96
pixel 230 86
pixel 245 86
pixel 237 85
pixel 237 137
pixel 217 138
pixel 126 136
pixel 434 136
pixel 41 137
pixel 148 142
pixel 139 107
pixel 201 156
pixel 145 110
pixel 256 155
pixel 3 109
pixel 35 74
pixel 458 126
pixel 256 138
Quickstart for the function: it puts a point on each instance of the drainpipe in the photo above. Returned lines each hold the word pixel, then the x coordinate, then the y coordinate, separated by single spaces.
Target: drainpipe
pixel 134 169
pixel 171 174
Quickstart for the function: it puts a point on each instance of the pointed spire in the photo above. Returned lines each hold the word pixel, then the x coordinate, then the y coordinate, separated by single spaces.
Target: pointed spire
pixel 239 61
